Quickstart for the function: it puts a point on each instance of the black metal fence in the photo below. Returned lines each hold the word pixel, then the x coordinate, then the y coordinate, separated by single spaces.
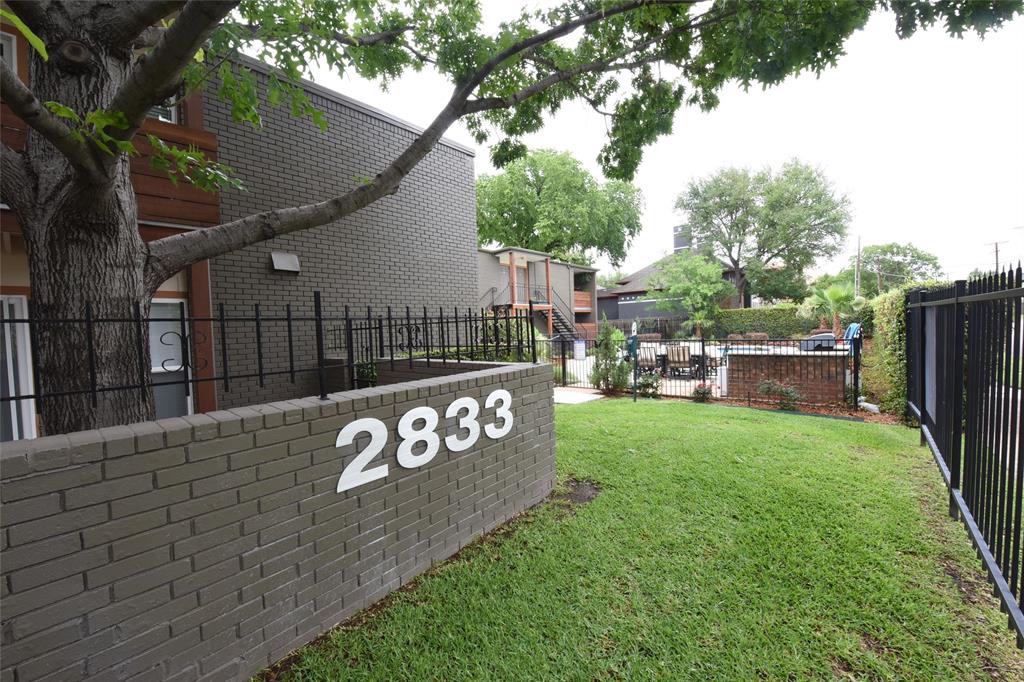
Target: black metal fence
pixel 257 346
pixel 811 371
pixel 964 352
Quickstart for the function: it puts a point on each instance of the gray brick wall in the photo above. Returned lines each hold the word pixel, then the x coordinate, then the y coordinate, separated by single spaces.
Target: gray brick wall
pixel 416 248
pixel 208 547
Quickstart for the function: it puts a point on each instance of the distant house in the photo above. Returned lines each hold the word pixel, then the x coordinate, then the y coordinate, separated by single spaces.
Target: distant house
pixel 631 297
pixel 563 295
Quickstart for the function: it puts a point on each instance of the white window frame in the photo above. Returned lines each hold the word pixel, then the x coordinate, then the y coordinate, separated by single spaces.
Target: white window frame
pixel 24 368
pixel 12 42
pixel 158 369
pixel 174 115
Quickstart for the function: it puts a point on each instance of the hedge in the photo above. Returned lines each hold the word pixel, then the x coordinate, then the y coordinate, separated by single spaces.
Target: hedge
pixel 777 321
pixel 885 362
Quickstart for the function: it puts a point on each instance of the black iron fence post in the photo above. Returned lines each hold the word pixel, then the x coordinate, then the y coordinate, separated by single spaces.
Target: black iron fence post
pixel 919 332
pixel 318 315
pixel 224 347
pixel 259 343
pixel 565 375
pixel 855 342
pixel 533 336
pixel 350 351
pixel 391 339
pixel 139 347
pixel 703 360
pixel 442 338
pixel 408 333
pixel 957 349
pixel 90 350
pixel 426 334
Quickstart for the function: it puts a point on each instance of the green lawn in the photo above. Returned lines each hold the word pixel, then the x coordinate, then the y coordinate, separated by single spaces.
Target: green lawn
pixel 726 543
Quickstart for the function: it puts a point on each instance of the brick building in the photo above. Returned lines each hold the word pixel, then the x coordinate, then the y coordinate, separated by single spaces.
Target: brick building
pixel 416 248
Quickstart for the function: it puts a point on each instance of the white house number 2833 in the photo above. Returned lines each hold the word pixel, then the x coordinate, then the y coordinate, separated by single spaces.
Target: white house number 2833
pixel 464 410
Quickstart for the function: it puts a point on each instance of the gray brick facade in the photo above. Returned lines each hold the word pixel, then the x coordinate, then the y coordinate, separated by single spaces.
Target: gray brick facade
pixel 415 248
pixel 208 547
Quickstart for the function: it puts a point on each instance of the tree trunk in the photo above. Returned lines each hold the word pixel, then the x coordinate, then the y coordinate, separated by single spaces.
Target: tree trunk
pixel 837 326
pixel 91 263
pixel 741 288
pixel 84 254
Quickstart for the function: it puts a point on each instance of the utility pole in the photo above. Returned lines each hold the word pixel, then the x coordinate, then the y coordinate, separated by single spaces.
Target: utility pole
pixel 856 271
pixel 996 245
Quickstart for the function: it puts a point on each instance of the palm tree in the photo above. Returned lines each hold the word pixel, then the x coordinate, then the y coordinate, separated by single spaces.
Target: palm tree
pixel 832 302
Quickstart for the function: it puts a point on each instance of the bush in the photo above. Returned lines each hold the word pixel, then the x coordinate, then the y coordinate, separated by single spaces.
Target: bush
pixel 778 322
pixel 702 393
pixel 885 360
pixel 786 397
pixel 648 386
pixel 366 374
pixel 610 373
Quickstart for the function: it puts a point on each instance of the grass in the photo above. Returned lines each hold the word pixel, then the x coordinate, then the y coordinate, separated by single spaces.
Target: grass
pixel 726 543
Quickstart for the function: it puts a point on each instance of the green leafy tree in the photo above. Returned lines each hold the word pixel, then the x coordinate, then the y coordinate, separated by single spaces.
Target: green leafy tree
pixel 769 227
pixel 99 66
pixel 833 303
pixel 611 279
pixel 691 285
pixel 884 266
pixel 547 201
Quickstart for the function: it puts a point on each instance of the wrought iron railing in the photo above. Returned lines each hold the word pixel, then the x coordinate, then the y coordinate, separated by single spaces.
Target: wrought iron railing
pixel 265 342
pixel 964 364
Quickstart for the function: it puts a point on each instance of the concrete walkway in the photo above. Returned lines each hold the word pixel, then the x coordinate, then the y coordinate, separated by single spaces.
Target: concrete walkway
pixel 575 396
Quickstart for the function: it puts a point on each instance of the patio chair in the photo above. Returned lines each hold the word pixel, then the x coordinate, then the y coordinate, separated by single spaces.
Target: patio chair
pixel 679 361
pixel 647 359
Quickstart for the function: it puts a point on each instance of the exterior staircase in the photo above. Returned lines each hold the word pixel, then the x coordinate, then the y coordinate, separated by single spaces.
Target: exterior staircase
pixel 561 326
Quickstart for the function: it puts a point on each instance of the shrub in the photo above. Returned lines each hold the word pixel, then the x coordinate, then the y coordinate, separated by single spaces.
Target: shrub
pixel 778 322
pixel 885 361
pixel 610 374
pixel 702 393
pixel 648 386
pixel 786 397
pixel 366 374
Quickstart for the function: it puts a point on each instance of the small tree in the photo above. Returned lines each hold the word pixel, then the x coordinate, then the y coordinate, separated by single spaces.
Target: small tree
pixel 832 303
pixel 691 284
pixel 610 373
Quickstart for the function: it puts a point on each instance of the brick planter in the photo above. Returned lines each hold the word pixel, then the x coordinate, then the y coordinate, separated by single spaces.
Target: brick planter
pixel 208 547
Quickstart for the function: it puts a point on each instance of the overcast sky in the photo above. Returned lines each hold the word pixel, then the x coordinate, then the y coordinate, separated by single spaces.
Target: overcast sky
pixel 925 136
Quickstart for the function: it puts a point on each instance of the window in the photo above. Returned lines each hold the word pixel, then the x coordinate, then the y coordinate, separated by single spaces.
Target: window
pixel 17 417
pixel 165 112
pixel 9 50
pixel 165 346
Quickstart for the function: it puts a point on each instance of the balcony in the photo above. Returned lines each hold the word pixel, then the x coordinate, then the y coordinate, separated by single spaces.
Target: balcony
pixel 582 301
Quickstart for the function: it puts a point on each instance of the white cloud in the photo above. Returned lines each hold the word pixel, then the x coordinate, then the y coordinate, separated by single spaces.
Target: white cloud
pixel 925 136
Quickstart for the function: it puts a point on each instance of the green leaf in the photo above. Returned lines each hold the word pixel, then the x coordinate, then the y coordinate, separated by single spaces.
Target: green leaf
pixel 64 112
pixel 35 41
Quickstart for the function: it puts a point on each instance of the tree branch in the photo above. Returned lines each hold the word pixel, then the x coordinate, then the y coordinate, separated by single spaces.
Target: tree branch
pixel 170 255
pixel 32 12
pixel 29 109
pixel 607 65
pixel 158 73
pixel 131 19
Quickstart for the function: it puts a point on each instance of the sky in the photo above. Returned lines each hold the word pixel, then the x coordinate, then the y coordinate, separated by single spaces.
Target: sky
pixel 925 136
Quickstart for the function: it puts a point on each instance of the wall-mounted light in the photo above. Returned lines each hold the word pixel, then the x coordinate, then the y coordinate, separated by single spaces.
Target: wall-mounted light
pixel 281 261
